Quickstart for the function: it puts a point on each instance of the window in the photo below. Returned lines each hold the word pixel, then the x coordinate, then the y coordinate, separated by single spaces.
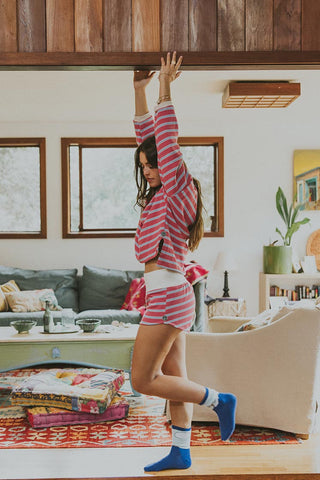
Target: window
pixel 99 190
pixel 22 188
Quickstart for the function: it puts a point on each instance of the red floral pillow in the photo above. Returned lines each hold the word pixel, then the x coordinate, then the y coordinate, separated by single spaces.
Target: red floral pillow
pixel 136 297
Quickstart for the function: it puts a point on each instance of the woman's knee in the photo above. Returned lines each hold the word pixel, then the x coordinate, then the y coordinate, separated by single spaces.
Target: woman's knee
pixel 137 382
pixel 142 381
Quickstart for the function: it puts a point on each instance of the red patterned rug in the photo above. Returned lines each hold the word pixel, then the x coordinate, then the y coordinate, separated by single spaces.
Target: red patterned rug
pixel 145 426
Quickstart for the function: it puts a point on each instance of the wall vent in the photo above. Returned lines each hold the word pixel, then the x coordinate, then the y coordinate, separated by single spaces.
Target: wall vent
pixel 260 94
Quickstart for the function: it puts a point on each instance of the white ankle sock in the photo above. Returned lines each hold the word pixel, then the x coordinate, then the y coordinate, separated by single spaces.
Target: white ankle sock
pixel 211 398
pixel 181 437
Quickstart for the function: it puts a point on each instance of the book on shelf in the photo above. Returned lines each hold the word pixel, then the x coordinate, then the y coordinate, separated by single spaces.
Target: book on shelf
pixel 298 293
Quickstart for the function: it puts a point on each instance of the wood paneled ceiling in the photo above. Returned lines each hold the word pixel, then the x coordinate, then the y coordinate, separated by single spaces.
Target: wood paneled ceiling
pixel 130 33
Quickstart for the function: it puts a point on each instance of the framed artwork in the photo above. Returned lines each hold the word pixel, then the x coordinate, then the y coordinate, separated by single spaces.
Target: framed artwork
pixel 306 178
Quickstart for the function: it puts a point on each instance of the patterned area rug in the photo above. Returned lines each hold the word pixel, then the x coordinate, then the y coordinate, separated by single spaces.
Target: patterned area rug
pixel 146 426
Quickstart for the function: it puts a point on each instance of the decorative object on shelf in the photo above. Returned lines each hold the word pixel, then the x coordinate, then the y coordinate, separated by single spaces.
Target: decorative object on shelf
pixel 309 264
pixel 296 264
pixel 313 246
pixel 226 263
pixel 306 170
pixel 278 258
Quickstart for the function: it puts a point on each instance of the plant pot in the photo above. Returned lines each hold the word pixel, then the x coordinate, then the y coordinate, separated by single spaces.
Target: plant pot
pixel 277 259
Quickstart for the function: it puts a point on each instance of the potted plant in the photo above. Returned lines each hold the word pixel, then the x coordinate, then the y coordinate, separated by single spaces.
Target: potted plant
pixel 278 258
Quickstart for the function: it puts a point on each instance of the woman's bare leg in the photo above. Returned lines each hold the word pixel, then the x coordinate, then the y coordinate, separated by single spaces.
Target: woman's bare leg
pixel 175 364
pixel 151 356
pixel 152 345
pixel 158 368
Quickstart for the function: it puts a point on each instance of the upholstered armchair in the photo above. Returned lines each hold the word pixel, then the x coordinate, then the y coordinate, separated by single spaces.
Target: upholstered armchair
pixel 274 370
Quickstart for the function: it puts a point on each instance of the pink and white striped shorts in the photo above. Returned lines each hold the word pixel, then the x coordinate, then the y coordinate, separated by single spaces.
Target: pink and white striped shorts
pixel 171 306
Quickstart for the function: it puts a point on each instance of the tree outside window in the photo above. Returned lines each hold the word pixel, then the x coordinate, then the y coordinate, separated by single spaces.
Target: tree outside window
pixel 22 188
pixel 99 190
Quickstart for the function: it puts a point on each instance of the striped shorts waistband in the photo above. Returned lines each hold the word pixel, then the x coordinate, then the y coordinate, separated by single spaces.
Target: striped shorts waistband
pixel 163 278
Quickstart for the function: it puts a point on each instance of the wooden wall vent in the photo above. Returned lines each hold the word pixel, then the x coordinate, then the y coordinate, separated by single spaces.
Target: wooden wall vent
pixel 260 94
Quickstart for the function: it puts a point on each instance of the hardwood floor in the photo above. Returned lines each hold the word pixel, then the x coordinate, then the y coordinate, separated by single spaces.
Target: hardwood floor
pixel 229 462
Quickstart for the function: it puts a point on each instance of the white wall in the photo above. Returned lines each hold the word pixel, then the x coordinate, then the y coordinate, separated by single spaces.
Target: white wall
pixel 259 147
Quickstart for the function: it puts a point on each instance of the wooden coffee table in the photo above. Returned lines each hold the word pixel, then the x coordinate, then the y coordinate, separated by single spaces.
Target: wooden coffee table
pixel 89 349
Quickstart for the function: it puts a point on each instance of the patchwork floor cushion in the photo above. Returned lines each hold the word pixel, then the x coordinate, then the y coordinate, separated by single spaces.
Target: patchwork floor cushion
pixel 88 390
pixel 41 417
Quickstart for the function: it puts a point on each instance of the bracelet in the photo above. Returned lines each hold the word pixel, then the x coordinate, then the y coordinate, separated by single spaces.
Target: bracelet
pixel 162 98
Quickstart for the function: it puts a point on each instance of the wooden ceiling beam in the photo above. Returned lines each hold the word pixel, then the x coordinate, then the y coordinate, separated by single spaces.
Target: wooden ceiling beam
pixel 191 60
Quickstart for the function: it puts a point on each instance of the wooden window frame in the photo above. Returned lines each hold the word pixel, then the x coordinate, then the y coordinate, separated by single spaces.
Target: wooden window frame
pixel 32 142
pixel 117 142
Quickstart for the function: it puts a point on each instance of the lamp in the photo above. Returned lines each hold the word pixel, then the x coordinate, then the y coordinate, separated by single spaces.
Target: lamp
pixel 257 94
pixel 225 262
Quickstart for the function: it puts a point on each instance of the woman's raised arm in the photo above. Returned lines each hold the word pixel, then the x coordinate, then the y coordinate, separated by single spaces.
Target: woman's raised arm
pixel 141 79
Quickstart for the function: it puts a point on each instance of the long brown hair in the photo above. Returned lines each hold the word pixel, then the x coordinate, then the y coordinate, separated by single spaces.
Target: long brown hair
pixel 197 228
pixel 145 193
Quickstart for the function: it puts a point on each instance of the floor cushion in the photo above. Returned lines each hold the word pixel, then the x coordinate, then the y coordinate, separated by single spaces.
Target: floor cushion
pixel 40 417
pixel 88 390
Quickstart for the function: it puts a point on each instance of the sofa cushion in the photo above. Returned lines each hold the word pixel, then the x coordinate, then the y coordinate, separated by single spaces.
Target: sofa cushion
pixel 103 289
pixel 7 287
pixel 108 316
pixel 63 281
pixel 31 300
pixel 7 317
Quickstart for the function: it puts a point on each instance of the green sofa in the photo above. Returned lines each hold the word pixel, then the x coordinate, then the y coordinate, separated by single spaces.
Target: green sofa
pixel 97 293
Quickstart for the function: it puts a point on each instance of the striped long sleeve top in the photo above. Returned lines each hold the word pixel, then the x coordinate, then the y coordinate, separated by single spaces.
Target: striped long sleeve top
pixel 173 208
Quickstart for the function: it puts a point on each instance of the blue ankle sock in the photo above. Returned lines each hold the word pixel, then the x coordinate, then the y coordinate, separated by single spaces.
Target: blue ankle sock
pixel 179 457
pixel 226 410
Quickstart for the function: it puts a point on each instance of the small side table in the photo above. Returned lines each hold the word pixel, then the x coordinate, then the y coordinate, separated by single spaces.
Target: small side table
pixel 227 308
pixel 225 315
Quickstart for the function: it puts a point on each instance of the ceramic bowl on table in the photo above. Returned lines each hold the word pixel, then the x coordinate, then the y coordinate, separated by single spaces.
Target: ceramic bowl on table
pixel 88 325
pixel 23 326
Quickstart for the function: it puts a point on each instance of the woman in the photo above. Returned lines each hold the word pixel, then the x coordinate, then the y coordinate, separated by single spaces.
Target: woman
pixel 170 223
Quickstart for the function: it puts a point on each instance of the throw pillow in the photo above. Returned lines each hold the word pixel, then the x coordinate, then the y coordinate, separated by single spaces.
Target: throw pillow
pixel 263 319
pixel 103 289
pixel 32 300
pixel 136 297
pixel 64 282
pixel 195 272
pixel 10 286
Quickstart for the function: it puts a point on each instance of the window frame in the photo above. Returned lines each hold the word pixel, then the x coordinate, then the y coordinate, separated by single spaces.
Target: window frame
pixel 31 142
pixel 118 142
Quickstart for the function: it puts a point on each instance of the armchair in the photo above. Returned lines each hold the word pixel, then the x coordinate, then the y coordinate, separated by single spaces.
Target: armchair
pixel 274 371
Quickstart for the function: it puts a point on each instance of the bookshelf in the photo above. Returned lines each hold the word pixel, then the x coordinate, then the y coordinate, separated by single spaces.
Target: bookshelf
pixel 283 281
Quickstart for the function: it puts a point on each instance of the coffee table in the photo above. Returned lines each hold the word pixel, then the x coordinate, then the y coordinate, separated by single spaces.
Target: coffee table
pixel 89 349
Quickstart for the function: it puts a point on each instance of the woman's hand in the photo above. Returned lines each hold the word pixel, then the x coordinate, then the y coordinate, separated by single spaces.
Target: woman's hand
pixel 169 68
pixel 141 78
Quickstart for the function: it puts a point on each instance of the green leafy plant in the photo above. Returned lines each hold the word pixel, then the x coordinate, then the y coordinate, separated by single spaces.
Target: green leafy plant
pixel 289 216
